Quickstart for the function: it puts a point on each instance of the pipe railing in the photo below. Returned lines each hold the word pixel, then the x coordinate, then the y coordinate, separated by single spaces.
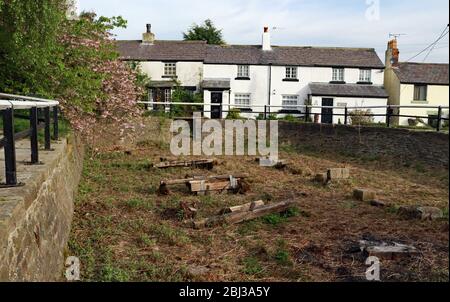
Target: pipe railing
pixel 8 104
pixel 307 110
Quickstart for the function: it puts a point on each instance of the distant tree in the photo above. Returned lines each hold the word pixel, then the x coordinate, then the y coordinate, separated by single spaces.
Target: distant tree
pixel 205 32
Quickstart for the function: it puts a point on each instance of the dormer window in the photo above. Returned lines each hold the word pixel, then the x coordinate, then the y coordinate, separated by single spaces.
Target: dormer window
pixel 365 76
pixel 291 73
pixel 338 75
pixel 243 72
pixel 170 69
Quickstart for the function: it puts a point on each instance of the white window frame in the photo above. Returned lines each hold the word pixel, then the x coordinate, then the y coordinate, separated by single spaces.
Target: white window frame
pixel 243 71
pixel 289 100
pixel 170 69
pixel 338 74
pixel 168 95
pixel 365 75
pixel 292 72
pixel 240 100
pixel 418 97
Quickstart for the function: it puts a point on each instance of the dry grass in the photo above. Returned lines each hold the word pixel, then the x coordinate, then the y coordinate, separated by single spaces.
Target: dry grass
pixel 124 231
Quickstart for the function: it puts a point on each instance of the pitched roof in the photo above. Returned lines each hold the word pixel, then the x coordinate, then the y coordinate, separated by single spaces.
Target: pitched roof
pixel 299 56
pixel 423 73
pixel 347 90
pixel 249 54
pixel 162 50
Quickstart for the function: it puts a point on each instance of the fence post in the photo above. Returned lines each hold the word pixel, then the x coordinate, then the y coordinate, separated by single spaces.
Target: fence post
pixel 306 114
pixel 439 121
pixel 346 116
pixel 10 149
pixel 47 129
pixel 55 124
pixel 34 135
pixel 265 112
pixel 388 116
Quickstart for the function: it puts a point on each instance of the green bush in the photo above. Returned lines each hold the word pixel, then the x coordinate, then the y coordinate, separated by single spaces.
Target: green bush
pixel 234 114
pixel 361 117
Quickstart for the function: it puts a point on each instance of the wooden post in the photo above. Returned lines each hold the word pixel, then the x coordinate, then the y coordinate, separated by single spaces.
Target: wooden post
pixel 388 116
pixel 306 114
pixel 439 121
pixel 346 116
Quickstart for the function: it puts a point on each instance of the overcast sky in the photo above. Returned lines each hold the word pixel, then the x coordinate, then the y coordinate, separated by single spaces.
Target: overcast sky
pixel 353 23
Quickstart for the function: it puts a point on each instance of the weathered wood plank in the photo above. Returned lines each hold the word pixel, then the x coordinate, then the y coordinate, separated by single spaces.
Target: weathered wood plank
pixel 239 217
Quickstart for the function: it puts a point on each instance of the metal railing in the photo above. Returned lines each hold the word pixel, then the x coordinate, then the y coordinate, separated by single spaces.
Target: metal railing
pixel 9 104
pixel 307 111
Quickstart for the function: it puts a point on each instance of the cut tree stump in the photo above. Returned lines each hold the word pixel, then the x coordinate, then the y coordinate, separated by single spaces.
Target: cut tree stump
pixel 201 164
pixel 238 217
pixel 203 184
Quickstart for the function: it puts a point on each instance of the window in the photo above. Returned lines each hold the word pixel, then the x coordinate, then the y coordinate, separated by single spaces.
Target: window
pixel 420 93
pixel 338 75
pixel 289 101
pixel 365 75
pixel 243 71
pixel 167 95
pixel 170 69
pixel 291 73
pixel 242 100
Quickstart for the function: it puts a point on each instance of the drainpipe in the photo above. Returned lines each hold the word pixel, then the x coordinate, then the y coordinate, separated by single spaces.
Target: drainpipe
pixel 270 84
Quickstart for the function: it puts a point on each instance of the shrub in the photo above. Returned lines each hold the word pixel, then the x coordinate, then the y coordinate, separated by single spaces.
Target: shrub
pixel 361 117
pixel 234 114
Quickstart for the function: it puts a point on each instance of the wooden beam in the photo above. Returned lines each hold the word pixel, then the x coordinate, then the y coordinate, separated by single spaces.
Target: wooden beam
pixel 206 164
pixel 243 208
pixel 239 217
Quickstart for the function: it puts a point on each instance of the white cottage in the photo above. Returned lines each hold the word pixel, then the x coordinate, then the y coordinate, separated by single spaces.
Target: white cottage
pixel 249 77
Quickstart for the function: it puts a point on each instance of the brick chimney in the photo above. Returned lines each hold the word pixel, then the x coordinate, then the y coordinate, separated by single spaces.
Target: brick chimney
pixel 266 44
pixel 392 54
pixel 148 37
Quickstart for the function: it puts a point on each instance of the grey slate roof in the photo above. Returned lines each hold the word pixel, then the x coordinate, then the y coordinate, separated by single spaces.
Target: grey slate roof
pixel 248 54
pixel 162 50
pixel 216 84
pixel 162 84
pixel 299 56
pixel 347 90
pixel 421 73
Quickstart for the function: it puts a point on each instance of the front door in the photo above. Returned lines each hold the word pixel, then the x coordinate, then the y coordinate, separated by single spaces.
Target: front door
pixel 216 111
pixel 327 113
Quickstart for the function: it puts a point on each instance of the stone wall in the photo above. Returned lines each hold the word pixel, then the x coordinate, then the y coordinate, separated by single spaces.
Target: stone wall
pixel 35 219
pixel 401 147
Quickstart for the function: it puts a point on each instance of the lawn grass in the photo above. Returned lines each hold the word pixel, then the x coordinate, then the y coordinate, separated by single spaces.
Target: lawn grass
pixel 124 231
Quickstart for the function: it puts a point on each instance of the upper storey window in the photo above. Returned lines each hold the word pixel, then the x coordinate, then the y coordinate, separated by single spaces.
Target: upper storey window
pixel 170 69
pixel 243 71
pixel 291 73
pixel 338 75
